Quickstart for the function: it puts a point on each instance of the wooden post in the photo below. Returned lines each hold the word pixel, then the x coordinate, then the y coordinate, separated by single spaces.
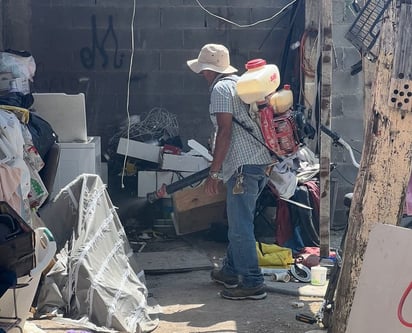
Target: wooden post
pixel 325 118
pixel 385 168
pixel 318 91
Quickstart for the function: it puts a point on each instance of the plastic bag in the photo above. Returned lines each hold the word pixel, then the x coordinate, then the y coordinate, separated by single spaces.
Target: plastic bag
pixel 273 255
pixel 20 64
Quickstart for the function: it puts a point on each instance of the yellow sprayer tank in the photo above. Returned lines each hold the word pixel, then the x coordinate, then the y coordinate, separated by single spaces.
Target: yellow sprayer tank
pixel 282 100
pixel 259 81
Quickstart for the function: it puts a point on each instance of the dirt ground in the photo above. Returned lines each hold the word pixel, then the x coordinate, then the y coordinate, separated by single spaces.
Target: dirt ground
pixel 190 302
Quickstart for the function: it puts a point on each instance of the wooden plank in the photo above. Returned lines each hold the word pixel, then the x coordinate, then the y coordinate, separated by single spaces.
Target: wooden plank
pixel 200 218
pixel 191 198
pixel 385 167
pixel 311 42
pixel 325 116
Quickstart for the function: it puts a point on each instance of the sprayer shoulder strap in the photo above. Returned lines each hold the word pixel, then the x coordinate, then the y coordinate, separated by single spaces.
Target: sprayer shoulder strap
pixel 248 129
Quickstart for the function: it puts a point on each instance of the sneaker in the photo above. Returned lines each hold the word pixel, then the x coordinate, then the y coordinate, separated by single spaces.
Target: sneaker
pixel 241 292
pixel 229 281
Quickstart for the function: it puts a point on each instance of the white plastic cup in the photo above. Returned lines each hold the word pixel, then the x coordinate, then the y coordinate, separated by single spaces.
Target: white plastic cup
pixel 318 275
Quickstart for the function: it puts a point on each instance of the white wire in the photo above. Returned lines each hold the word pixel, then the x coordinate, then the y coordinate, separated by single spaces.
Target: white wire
pixel 128 90
pixel 246 25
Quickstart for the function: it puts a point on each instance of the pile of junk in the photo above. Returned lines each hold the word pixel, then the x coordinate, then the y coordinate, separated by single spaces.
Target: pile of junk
pixel 69 257
pixel 287 212
pixel 65 257
pixel 293 188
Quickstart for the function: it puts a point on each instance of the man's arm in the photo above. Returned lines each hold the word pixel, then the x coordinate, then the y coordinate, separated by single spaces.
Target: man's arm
pixel 222 144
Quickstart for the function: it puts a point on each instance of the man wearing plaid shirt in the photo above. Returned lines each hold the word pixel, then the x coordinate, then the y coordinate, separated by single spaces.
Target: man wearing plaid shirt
pixel 240 162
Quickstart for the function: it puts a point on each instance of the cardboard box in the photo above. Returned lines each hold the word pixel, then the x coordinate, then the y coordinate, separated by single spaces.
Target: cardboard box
pixel 140 150
pixel 151 181
pixel 183 162
pixel 195 211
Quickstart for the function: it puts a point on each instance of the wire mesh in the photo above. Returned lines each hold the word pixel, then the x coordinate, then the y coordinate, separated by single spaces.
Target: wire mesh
pixel 364 31
pixel 159 124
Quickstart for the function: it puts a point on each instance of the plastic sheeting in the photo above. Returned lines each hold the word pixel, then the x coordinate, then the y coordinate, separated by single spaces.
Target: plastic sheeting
pixel 95 280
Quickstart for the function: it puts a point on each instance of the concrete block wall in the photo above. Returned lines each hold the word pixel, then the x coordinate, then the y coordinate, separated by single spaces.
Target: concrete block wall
pixel 74 40
pixel 347 106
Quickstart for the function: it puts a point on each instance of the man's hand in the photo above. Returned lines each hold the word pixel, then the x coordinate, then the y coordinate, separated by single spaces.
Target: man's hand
pixel 212 186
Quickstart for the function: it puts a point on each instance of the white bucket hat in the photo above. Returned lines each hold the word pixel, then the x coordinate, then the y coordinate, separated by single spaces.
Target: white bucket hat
pixel 214 57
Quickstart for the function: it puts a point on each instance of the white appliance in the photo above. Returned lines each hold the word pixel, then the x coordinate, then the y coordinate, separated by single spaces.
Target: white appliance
pixel 77 158
pixel 65 113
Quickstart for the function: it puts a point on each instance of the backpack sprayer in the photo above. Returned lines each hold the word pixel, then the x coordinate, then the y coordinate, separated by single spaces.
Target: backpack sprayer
pixel 278 124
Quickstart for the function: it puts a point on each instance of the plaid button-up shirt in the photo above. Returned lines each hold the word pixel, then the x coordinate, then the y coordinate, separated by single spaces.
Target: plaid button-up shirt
pixel 244 149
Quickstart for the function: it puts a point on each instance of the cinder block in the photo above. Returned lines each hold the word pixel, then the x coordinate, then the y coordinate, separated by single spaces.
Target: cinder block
pixel 182 17
pixel 337 110
pixel 353 106
pixel 175 59
pixel 194 39
pixel 148 17
pixel 346 84
pixel 338 35
pixel 350 57
pixel 159 38
pixel 163 82
pixel 146 60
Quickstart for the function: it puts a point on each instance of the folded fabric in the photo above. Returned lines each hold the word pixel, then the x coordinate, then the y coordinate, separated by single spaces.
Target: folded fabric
pixel 273 255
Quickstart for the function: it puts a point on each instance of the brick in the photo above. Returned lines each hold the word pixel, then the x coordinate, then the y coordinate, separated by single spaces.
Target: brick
pixel 159 38
pixel 338 35
pixel 346 84
pixel 350 57
pixel 351 131
pixel 182 17
pixel 337 110
pixel 195 38
pixel 194 84
pixel 253 39
pixel 82 18
pixel 262 13
pixel 175 59
pixel 146 60
pixel 238 15
pixel 162 82
pixel 47 16
pixel 147 17
pixel 352 105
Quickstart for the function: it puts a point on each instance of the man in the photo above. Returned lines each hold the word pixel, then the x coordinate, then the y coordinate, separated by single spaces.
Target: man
pixel 241 162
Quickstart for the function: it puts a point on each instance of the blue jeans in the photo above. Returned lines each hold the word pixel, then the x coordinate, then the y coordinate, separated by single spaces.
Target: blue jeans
pixel 241 257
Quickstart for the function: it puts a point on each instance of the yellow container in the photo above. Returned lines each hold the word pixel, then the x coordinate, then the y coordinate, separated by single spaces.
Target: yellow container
pixel 282 100
pixel 259 81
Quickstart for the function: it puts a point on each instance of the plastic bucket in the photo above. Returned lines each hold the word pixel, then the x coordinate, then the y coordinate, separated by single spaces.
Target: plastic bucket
pixel 45 251
pixel 318 275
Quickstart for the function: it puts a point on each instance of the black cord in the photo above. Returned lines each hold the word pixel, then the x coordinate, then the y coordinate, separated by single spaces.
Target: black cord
pixel 250 131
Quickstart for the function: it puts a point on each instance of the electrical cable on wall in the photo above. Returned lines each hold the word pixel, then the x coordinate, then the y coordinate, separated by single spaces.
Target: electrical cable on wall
pixel 246 25
pixel 128 90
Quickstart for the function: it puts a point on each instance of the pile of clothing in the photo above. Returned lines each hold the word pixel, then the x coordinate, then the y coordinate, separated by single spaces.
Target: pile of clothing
pixel 25 138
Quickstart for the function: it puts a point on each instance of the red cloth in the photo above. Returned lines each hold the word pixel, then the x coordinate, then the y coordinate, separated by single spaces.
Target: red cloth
pixel 283 225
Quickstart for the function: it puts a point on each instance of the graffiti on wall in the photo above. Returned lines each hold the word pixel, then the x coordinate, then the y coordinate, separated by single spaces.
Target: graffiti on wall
pixel 89 55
